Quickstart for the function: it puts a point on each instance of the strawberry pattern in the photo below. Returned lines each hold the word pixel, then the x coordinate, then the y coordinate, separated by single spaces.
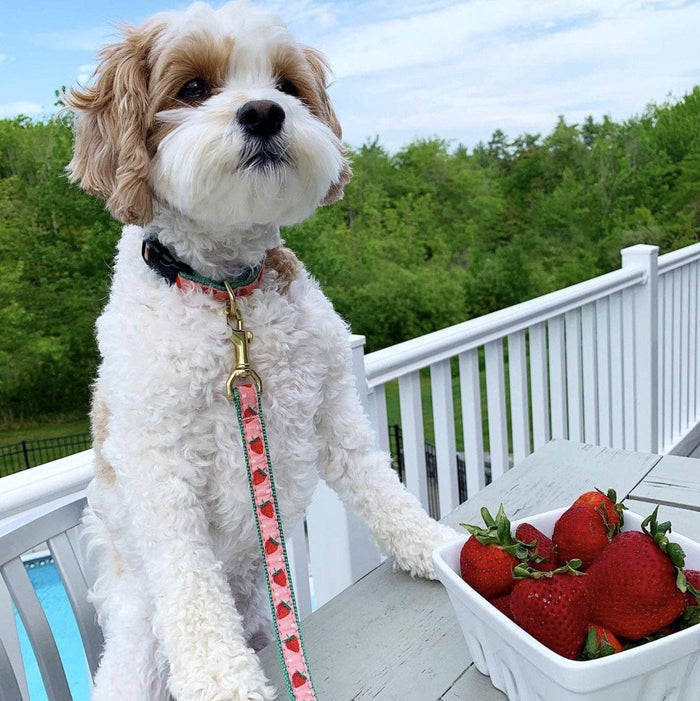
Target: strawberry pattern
pixel 286 620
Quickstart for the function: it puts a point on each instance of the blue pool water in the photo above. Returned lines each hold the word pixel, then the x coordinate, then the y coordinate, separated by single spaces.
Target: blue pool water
pixel 53 598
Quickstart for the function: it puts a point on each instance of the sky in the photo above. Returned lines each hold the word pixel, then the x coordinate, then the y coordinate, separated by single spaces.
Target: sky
pixel 406 69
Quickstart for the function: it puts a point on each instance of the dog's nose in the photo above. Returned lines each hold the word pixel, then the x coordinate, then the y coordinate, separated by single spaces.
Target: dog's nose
pixel 262 118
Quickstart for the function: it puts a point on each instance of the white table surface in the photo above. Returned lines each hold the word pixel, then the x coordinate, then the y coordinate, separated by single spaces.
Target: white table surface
pixel 393 638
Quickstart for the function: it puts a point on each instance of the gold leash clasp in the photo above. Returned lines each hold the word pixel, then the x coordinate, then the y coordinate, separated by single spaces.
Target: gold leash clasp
pixel 240 338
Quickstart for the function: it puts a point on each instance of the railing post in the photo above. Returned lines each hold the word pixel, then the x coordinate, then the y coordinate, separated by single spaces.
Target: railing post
pixel 340 548
pixel 646 340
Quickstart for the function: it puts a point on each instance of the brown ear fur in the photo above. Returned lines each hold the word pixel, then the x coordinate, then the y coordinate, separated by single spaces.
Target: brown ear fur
pixel 319 67
pixel 110 156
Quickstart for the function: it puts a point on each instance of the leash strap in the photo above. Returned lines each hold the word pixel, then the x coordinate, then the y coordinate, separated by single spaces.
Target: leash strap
pixel 246 398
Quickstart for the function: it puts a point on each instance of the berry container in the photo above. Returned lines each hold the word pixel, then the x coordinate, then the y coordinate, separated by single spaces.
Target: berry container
pixel 667 669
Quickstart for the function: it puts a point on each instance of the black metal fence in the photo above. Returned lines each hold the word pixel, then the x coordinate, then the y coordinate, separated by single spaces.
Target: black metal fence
pixel 25 454
pixel 396 448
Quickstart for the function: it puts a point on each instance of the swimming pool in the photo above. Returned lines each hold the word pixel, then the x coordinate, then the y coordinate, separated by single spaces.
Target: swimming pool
pixel 47 584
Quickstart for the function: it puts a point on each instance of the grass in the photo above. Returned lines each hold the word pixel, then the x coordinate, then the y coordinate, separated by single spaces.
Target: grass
pixel 48 428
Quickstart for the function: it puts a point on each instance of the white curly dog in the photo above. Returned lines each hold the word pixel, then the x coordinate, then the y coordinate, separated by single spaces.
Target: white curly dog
pixel 204 131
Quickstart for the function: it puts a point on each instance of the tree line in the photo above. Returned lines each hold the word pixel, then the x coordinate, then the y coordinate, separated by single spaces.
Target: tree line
pixel 426 237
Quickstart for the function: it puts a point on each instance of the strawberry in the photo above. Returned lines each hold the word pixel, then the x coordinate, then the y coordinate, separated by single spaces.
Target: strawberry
pixel 267 509
pixel 271 545
pixel 259 476
pixel 257 446
pixel 489 555
pixel 298 679
pixel 553 607
pixel 283 609
pixel 691 615
pixel 580 533
pixel 610 510
pixel 541 546
pixel 502 603
pixel 635 581
pixel 692 594
pixel 292 642
pixel 600 642
pixel 280 578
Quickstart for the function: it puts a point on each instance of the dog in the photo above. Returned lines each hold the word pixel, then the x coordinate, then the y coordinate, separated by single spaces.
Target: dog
pixel 204 131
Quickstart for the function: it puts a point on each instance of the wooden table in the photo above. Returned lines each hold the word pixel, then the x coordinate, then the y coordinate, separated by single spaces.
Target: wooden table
pixel 390 637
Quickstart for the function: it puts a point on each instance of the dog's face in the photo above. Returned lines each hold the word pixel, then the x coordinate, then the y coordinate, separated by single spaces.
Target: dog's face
pixel 214 114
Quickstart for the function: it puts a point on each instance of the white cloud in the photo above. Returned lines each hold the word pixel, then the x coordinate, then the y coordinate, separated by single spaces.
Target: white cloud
pixel 463 70
pixel 90 39
pixel 85 72
pixel 12 109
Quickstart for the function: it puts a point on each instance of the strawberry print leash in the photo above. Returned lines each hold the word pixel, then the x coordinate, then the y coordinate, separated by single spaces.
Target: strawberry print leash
pixel 244 389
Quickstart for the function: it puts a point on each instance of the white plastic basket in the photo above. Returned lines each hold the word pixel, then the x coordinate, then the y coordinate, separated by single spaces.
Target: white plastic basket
pixel 525 670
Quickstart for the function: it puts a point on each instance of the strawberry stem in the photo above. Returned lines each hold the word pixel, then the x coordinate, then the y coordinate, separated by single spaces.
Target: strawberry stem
pixel 523 571
pixel 497 532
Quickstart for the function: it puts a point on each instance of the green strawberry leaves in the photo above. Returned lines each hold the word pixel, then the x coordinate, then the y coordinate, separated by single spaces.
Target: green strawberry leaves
pixel 497 532
pixel 658 531
pixel 675 553
pixel 592 649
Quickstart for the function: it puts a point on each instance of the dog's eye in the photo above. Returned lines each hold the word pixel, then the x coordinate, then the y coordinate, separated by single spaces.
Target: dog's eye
pixel 286 86
pixel 194 90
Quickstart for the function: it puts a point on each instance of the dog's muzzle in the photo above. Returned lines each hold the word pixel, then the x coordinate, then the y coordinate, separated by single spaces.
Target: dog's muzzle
pixel 262 123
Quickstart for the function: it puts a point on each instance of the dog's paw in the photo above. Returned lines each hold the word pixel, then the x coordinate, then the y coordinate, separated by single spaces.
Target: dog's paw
pixel 418 560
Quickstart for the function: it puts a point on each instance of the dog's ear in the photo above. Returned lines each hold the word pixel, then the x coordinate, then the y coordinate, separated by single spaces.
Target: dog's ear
pixel 324 111
pixel 110 157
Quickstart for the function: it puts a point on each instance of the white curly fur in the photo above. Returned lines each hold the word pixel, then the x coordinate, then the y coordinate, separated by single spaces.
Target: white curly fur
pixel 180 594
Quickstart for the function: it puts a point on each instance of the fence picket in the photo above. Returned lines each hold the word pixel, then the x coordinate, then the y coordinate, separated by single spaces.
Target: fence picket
pixel 539 385
pixel 519 404
pixel 628 370
pixel 574 398
pixel 557 377
pixel 589 367
pixel 376 400
pixel 685 347
pixel 413 435
pixel 603 352
pixel 496 403
pixel 617 399
pixel 472 425
pixel 444 427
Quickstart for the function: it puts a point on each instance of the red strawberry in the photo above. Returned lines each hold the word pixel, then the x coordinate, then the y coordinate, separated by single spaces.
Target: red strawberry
pixel 256 445
pixel 283 609
pixel 634 583
pixel 541 545
pixel 692 594
pixel 580 533
pixel 489 555
pixel 249 412
pixel 553 607
pixel 280 578
pixel 267 509
pixel 298 679
pixel 271 545
pixel 691 615
pixel 610 510
pixel 502 603
pixel 259 476
pixel 292 642
pixel 600 642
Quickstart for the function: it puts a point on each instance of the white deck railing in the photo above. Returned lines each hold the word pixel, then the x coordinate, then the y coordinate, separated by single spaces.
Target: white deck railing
pixel 611 361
